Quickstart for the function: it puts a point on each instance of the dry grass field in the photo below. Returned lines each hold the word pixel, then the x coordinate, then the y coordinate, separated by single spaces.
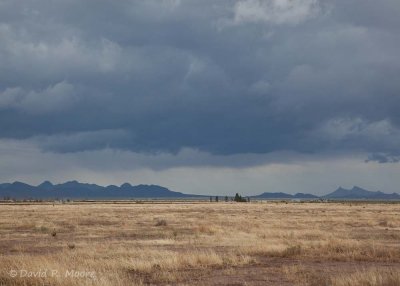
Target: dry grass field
pixel 259 243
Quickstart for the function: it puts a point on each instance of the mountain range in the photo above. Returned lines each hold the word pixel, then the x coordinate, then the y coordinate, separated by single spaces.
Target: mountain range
pixel 359 193
pixel 77 190
pixel 285 196
pixel 356 193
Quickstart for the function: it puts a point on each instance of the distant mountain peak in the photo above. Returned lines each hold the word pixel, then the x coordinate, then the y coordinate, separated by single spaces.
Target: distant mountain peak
pixel 281 195
pixel 17 183
pixel 357 188
pixel 46 184
pixel 73 182
pixel 359 193
pixel 126 185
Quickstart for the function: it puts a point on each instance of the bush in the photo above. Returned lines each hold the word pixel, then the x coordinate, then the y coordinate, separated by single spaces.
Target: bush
pixel 292 251
pixel 161 222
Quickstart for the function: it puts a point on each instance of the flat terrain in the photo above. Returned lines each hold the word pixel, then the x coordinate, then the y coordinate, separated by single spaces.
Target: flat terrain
pixel 259 243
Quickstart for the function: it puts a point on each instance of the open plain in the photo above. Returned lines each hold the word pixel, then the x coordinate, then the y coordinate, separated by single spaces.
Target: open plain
pixel 178 243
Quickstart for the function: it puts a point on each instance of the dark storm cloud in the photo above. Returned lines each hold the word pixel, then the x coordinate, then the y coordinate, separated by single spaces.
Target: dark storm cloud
pixel 383 158
pixel 222 77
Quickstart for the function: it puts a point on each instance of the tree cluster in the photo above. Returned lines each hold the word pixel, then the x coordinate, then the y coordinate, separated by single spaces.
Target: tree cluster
pixel 239 198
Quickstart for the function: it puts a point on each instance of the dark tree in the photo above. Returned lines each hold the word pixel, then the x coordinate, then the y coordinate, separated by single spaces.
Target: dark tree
pixel 238 198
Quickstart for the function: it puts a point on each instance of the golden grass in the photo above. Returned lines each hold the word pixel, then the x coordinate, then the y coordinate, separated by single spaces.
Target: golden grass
pixel 371 277
pixel 197 243
pixel 300 275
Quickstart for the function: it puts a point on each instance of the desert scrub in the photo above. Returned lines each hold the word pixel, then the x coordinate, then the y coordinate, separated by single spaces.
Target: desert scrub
pixel 161 222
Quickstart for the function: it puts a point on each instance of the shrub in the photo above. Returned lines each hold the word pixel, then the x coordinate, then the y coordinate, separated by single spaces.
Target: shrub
pixel 161 222
pixel 292 251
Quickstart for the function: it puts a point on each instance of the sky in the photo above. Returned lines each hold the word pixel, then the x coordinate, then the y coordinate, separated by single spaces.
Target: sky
pixel 206 97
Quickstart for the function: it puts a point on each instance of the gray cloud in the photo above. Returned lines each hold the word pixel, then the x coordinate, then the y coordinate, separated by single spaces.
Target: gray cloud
pixel 52 99
pixel 383 158
pixel 275 11
pixel 226 77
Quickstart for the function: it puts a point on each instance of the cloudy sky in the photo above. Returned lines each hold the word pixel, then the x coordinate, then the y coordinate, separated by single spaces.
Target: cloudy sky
pixel 211 97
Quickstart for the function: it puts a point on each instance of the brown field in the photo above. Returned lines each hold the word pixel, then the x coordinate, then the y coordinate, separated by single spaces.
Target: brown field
pixel 268 243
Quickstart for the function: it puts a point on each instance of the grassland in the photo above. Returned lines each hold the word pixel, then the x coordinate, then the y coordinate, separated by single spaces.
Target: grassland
pixel 268 243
